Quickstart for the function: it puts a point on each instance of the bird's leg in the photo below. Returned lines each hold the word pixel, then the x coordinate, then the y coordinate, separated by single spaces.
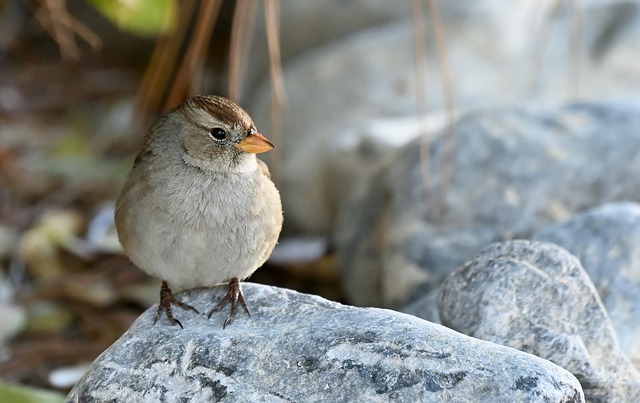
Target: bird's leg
pixel 166 299
pixel 233 295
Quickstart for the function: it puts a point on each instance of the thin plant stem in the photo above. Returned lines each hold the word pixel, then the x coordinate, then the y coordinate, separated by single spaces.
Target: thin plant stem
pixel 240 43
pixel 576 37
pixel 278 95
pixel 447 89
pixel 543 42
pixel 187 81
pixel 158 77
pixel 420 45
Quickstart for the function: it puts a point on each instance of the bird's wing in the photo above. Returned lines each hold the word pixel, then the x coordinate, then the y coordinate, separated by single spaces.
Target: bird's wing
pixel 264 169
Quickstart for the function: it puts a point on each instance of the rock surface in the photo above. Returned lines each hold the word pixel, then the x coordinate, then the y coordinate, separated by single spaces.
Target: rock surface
pixel 513 172
pixel 303 26
pixel 606 239
pixel 297 347
pixel 339 91
pixel 425 307
pixel 536 297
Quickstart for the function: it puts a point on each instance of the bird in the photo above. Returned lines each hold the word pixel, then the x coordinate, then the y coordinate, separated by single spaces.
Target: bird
pixel 198 208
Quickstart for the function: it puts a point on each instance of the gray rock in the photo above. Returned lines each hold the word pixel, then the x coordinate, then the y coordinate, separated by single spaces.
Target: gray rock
pixel 308 24
pixel 336 92
pixel 298 347
pixel 513 172
pixel 536 297
pixel 425 307
pixel 606 239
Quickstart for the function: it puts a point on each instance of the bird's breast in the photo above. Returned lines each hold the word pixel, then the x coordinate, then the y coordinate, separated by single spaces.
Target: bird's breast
pixel 201 229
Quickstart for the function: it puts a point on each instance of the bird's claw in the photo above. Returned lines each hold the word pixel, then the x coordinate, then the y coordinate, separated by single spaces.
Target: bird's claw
pixel 233 296
pixel 166 300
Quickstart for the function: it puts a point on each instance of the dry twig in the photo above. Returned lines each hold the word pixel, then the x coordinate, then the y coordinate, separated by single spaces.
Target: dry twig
pixel 447 89
pixel 576 36
pixel 278 95
pixel 62 26
pixel 188 78
pixel 420 34
pixel 158 77
pixel 241 33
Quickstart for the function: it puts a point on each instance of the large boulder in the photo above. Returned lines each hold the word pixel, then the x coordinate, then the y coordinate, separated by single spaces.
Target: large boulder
pixel 513 172
pixel 606 239
pixel 298 347
pixel 536 297
pixel 309 24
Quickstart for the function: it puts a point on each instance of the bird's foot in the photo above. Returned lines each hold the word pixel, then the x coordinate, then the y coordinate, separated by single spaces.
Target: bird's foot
pixel 166 300
pixel 233 295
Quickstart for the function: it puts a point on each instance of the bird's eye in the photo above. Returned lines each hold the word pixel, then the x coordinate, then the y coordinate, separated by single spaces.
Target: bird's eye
pixel 218 133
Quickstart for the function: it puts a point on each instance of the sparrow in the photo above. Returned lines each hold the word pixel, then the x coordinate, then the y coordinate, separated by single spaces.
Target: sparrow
pixel 198 208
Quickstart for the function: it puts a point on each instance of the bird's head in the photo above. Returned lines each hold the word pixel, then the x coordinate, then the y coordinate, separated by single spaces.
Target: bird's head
pixel 219 135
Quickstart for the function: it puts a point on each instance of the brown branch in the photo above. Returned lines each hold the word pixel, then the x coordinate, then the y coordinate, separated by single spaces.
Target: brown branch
pixel 158 78
pixel 62 26
pixel 241 33
pixel 420 45
pixel 278 95
pixel 55 10
pixel 272 24
pixel 447 89
pixel 576 36
pixel 543 41
pixel 83 32
pixel 187 82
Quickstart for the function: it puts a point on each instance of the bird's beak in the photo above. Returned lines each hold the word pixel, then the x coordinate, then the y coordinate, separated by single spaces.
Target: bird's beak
pixel 255 143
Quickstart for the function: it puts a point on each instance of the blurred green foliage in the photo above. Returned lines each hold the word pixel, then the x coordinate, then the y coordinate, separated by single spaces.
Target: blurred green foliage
pixel 23 394
pixel 139 17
